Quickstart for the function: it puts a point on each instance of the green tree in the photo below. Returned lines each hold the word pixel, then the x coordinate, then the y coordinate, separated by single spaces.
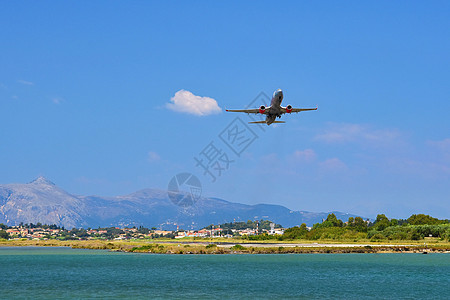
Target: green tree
pixel 331 221
pixel 296 232
pixel 381 222
pixel 350 222
pixel 170 236
pixel 360 225
pixel 4 234
pixel 143 230
pixel 422 219
pixel 81 233
pixel 357 224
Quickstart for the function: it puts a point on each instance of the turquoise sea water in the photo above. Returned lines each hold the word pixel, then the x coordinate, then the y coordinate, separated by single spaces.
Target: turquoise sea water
pixel 64 273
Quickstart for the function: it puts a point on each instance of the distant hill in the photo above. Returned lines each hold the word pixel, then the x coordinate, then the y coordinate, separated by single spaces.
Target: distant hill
pixel 42 201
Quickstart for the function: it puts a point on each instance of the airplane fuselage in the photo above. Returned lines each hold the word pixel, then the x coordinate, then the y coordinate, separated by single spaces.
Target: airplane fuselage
pixel 275 107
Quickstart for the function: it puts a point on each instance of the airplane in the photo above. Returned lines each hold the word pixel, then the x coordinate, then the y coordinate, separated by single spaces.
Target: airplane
pixel 273 111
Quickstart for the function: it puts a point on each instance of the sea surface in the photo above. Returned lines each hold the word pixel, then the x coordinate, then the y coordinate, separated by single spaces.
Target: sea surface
pixel 64 273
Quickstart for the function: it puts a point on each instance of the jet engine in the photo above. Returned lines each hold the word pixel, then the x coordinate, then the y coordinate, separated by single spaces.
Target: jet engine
pixel 262 109
pixel 289 109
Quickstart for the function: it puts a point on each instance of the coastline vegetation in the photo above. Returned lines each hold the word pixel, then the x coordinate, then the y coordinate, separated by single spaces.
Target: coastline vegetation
pixel 168 247
pixel 415 228
pixel 416 234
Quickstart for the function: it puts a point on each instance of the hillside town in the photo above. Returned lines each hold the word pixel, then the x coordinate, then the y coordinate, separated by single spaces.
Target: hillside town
pixel 44 232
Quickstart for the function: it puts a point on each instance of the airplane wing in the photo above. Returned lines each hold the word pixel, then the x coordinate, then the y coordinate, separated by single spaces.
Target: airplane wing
pixel 297 110
pixel 250 111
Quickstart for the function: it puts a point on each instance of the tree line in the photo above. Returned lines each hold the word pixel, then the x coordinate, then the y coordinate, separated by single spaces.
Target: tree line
pixel 416 227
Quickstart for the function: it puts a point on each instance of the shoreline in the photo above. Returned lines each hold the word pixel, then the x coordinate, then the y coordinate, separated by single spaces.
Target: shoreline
pixel 203 247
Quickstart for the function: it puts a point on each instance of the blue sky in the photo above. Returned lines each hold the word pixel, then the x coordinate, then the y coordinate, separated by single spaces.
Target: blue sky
pixel 86 87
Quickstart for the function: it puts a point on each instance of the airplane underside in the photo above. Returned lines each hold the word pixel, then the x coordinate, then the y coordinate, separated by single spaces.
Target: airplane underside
pixel 264 122
pixel 269 120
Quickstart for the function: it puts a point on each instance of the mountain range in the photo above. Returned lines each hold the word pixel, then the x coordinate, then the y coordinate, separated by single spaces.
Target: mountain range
pixel 42 201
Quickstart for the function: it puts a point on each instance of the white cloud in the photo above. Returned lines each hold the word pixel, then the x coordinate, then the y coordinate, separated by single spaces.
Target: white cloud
pixel 436 171
pixel 344 132
pixel 307 155
pixel 441 149
pixel 270 157
pixel 153 156
pixel 185 101
pixel 25 82
pixel 333 164
pixel 443 145
pixel 57 100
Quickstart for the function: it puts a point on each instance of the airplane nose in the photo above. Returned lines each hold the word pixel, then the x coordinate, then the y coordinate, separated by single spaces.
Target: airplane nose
pixel 278 93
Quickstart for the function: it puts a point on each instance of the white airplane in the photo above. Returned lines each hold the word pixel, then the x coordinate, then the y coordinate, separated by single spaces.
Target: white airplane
pixel 273 111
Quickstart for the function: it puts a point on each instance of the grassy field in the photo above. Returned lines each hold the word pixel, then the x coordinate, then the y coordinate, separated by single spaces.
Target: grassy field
pixel 213 246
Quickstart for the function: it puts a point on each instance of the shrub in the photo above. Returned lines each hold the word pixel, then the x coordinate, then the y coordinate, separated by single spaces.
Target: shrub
pixel 4 234
pixel 296 232
pixel 377 237
pixel 237 247
pixel 416 236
